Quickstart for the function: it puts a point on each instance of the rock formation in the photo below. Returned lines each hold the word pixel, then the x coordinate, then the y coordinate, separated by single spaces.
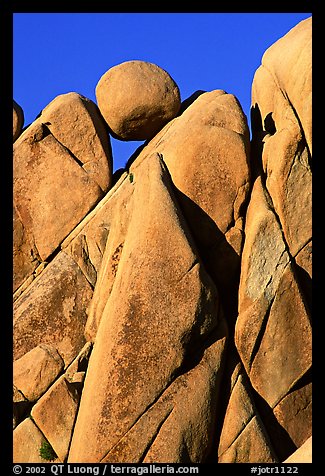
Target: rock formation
pixel 58 178
pixel 148 99
pixel 166 317
pixel 273 327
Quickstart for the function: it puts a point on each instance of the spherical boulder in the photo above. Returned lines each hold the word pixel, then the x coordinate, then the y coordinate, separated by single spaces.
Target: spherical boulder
pixel 137 99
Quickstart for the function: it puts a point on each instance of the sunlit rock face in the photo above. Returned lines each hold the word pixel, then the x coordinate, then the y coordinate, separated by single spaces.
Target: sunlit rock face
pixel 137 99
pixel 164 315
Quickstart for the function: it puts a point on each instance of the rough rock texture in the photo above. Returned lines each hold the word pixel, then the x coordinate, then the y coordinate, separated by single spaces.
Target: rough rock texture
pixel 53 310
pixel 296 423
pixel 25 255
pixel 272 312
pixel 281 100
pixel 243 437
pixel 55 413
pixel 288 66
pixel 76 122
pixel 196 145
pixel 87 243
pixel 27 442
pixel 168 319
pixel 273 329
pixel 18 120
pixel 36 370
pixel 206 150
pixel 184 309
pixel 137 99
pixel 62 167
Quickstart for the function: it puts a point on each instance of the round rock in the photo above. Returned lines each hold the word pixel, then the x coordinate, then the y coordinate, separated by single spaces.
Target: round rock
pixel 137 99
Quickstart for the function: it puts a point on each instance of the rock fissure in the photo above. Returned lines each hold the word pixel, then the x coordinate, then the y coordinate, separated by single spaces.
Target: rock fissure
pixel 260 333
pixel 78 161
pixel 238 436
pixel 195 263
pixel 147 409
pixel 189 272
pixel 154 437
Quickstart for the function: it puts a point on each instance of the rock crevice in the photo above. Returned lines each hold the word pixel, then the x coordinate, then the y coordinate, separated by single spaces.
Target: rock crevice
pixel 166 317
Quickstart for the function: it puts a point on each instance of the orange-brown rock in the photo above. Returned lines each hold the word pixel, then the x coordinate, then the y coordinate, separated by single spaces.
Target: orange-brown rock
pixel 288 65
pixel 273 328
pixel 215 217
pixel 186 434
pixel 272 312
pixel 251 446
pixel 171 422
pixel 139 315
pixel 25 255
pixel 133 291
pixel 50 177
pixel 275 370
pixel 77 124
pixel 206 150
pixel 79 365
pixel 212 177
pixel 291 416
pixel 55 413
pixel 53 310
pixel 236 444
pixel 36 370
pixel 137 99
pixel 281 99
pixel 18 120
pixel 220 169
pixel 87 243
pixel 27 442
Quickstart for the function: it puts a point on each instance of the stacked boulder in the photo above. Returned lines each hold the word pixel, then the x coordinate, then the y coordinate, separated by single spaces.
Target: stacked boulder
pixel 137 99
pixel 166 317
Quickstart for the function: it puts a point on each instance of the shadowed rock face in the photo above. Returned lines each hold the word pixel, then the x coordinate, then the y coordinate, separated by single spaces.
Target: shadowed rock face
pixel 166 318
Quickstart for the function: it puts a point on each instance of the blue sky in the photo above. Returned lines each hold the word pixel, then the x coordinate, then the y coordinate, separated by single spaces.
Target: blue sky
pixel 56 53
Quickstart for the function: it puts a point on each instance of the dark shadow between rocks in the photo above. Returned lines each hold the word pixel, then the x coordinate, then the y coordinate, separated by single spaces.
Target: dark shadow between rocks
pixel 259 131
pixel 257 143
pixel 188 101
pixel 280 439
pixel 221 261
pixel 232 361
pixel 21 410
pixel 117 175
pixel 134 156
pixel 269 124
pixel 184 105
pixel 193 359
pixel 305 284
